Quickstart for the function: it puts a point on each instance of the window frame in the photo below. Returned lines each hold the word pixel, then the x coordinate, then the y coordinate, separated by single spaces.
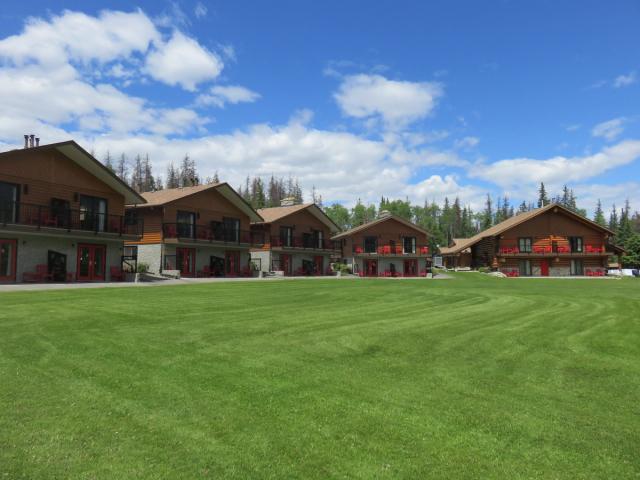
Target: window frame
pixel 524 241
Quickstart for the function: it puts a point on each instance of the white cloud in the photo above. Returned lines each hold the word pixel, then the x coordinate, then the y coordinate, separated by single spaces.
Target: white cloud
pixel 557 170
pixel 397 103
pixel 200 10
pixel 573 127
pixel 609 130
pixel 183 61
pixel 437 188
pixel 220 95
pixel 625 80
pixel 466 143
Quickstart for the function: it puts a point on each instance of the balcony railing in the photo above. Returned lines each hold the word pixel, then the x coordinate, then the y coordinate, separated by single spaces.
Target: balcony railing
pixel 308 243
pixel 390 250
pixel 42 216
pixel 549 250
pixel 203 233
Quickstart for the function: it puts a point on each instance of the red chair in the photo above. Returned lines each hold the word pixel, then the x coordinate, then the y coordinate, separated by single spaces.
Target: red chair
pixel 386 250
pixel 359 250
pixel 424 250
pixel 399 250
pixel 117 275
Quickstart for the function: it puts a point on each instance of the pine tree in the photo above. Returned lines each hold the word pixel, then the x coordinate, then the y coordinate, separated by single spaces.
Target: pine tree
pixel 624 231
pixel 543 199
pixel 216 179
pixel 173 176
pixel 136 175
pixel 598 215
pixel 122 171
pixel 523 207
pixel 108 162
pixel 188 176
pixel 613 219
pixel 486 219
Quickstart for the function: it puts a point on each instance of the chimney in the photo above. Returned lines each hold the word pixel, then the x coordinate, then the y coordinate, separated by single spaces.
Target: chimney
pixel 37 141
pixel 31 137
pixel 384 213
pixel 288 202
pixel 26 141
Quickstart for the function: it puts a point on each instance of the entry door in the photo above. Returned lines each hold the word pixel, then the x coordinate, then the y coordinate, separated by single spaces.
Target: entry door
pixel 186 261
pixel 411 268
pixel 544 268
pixel 91 262
pixel 319 264
pixel 232 262
pixel 285 263
pixel 371 268
pixel 7 260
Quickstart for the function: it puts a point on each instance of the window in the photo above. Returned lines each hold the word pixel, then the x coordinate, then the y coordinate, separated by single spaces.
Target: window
pixel 286 236
pixel 217 230
pixel 231 229
pixel 577 268
pixel 525 268
pixel 93 213
pixel 8 202
pixel 130 251
pixel 370 244
pixel 576 244
pixel 186 224
pixel 130 217
pixel 409 244
pixel 317 240
pixel 524 244
pixel 307 240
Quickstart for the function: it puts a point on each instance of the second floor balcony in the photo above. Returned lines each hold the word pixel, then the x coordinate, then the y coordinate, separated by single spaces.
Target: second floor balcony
pixel 305 242
pixel 204 233
pixel 548 250
pixel 391 249
pixel 47 217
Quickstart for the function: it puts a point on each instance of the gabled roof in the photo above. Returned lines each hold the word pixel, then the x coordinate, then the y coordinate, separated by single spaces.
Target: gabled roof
pixel 378 220
pixel 168 195
pixel 274 214
pixel 517 220
pixel 85 160
pixel 453 246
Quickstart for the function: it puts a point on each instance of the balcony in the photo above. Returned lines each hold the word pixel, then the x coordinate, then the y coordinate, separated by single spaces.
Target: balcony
pixel 205 234
pixel 44 217
pixel 391 250
pixel 593 250
pixel 302 243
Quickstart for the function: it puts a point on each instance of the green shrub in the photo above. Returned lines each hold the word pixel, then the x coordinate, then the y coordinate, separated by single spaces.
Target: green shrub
pixel 142 267
pixel 484 269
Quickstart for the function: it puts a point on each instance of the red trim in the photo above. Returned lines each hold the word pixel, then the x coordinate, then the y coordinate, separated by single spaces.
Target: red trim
pixel 13 243
pixel 188 260
pixel 91 276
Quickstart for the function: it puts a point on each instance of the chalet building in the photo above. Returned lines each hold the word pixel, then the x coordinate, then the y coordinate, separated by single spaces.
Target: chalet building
pixel 548 241
pixel 297 239
pixel 62 215
pixel 388 246
pixel 195 231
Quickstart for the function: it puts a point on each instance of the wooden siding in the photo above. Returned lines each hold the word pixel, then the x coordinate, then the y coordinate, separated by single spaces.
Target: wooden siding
pixel 49 174
pixel 301 221
pixel 385 232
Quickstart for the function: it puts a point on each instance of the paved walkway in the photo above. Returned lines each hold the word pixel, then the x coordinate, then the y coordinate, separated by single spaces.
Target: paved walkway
pixel 25 287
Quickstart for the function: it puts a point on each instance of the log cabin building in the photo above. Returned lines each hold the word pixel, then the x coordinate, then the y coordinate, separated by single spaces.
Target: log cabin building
pixel 548 241
pixel 297 240
pixel 195 231
pixel 62 215
pixel 387 246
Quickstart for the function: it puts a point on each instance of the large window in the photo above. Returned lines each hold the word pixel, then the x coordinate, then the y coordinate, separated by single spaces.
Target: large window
pixel 576 244
pixel 231 229
pixel 370 244
pixel 525 268
pixel 577 267
pixel 409 244
pixel 186 224
pixel 93 213
pixel 286 236
pixel 525 244
pixel 8 202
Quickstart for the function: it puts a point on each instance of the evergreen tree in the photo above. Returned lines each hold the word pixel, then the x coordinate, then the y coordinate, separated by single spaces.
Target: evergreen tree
pixel 258 197
pixel 624 231
pixel 613 219
pixel 136 175
pixel 486 218
pixel 523 207
pixel 187 175
pixel 108 162
pixel 543 199
pixel 340 215
pixel 122 171
pixel 631 258
pixel 148 181
pixel 598 215
pixel 173 176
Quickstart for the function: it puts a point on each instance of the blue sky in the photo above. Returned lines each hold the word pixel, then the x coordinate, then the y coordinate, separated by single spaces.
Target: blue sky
pixel 359 99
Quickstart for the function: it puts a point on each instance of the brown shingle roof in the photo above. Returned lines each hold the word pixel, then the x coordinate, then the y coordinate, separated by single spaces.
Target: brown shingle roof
pixel 364 226
pixel 273 214
pixel 450 249
pixel 162 197
pixel 512 222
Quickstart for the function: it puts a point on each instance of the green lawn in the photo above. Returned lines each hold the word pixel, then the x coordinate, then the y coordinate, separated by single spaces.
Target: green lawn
pixel 472 377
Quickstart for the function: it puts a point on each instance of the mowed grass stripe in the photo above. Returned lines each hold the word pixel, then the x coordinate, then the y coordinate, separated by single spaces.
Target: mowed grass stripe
pixel 464 378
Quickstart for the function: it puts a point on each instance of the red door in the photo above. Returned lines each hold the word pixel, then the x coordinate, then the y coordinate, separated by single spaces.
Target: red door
pixel 544 268
pixel 285 263
pixel 91 262
pixel 7 260
pixel 411 268
pixel 319 264
pixel 371 268
pixel 232 264
pixel 186 261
